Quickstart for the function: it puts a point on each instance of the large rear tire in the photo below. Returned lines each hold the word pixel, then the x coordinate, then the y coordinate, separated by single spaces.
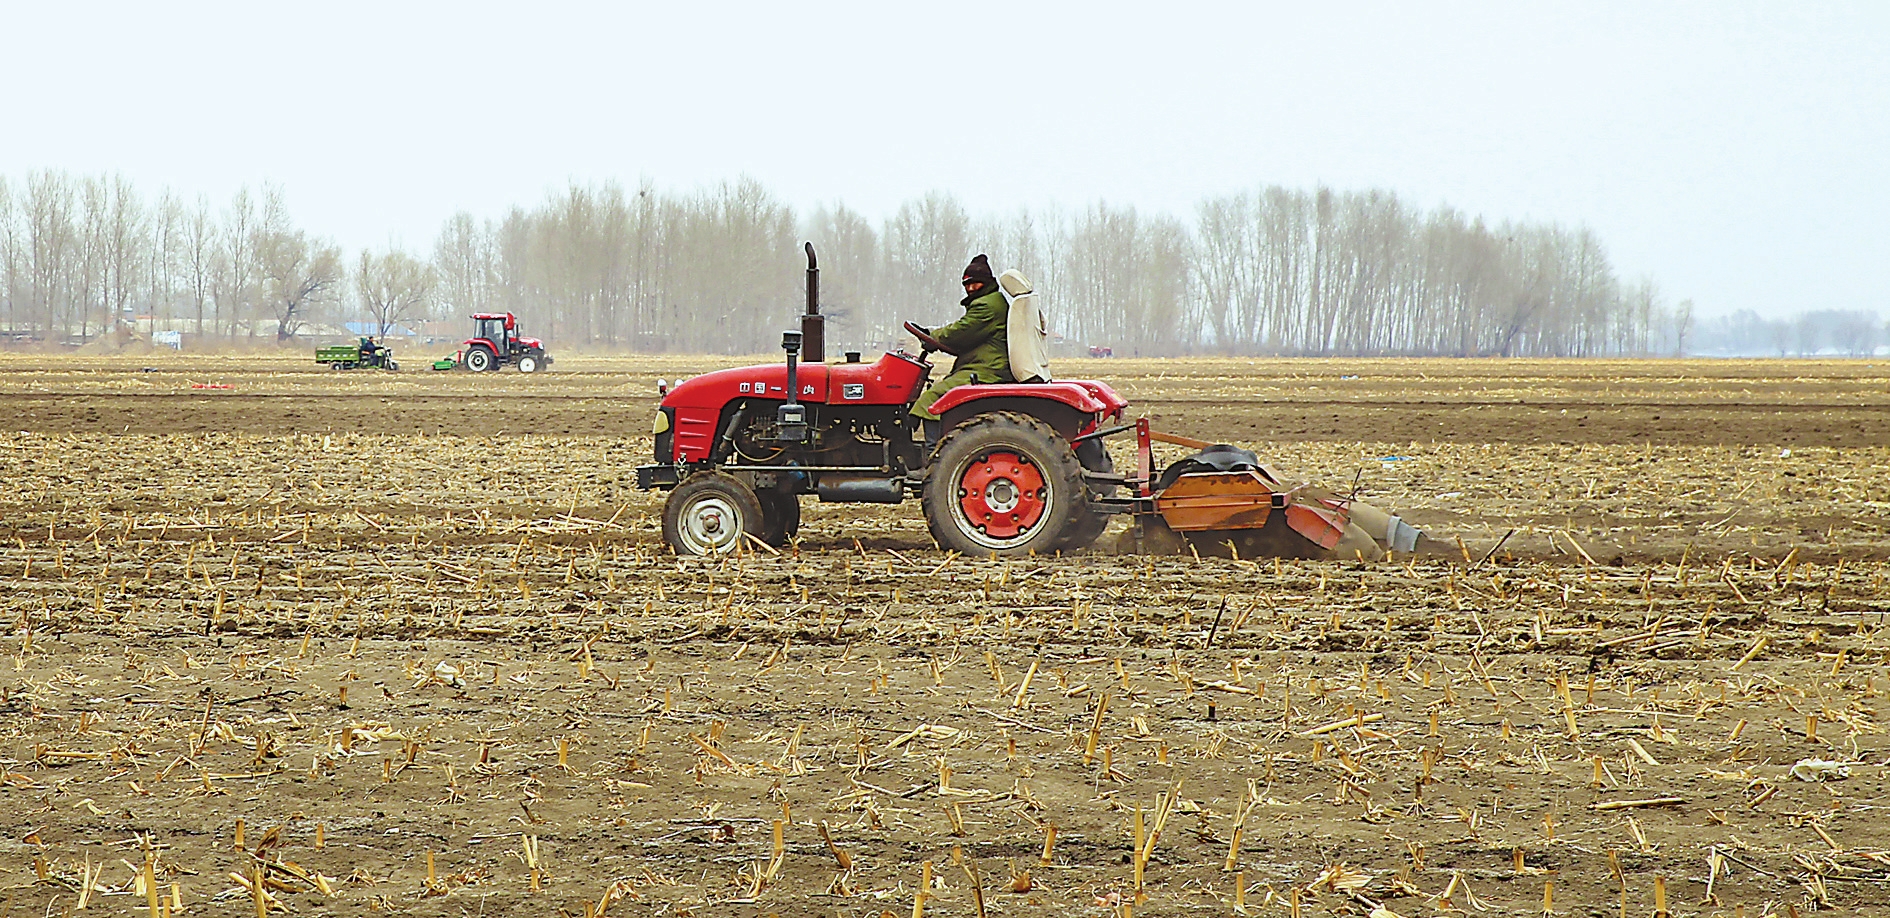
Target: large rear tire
pixel 780 516
pixel 710 514
pixel 1003 484
pixel 479 359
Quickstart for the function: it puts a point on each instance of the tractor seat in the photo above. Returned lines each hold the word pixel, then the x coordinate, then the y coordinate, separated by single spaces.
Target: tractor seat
pixel 1025 330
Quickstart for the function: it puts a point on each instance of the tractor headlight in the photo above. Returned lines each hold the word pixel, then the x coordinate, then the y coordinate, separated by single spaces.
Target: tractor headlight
pixel 662 423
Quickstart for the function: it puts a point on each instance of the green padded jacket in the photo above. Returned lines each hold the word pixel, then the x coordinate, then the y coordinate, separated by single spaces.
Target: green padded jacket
pixel 978 337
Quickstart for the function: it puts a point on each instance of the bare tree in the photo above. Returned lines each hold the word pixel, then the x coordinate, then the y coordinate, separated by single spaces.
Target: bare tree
pixel 50 244
pixel 850 268
pixel 89 278
pixel 234 264
pixel 1682 326
pixel 199 256
pixel 1809 333
pixel 297 272
pixel 163 256
pixel 121 249
pixel 463 263
pixel 927 243
pixel 393 285
pixel 10 260
pixel 1848 331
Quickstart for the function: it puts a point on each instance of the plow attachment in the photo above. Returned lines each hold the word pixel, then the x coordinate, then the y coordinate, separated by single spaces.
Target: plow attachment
pixel 1223 501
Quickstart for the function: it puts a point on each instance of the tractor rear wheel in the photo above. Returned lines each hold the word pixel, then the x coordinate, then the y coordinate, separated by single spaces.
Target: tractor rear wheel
pixel 1089 525
pixel 528 364
pixel 1003 484
pixel 479 359
pixel 710 514
pixel 780 516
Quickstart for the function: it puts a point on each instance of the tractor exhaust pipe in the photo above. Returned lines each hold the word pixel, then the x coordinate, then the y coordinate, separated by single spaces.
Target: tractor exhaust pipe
pixel 813 324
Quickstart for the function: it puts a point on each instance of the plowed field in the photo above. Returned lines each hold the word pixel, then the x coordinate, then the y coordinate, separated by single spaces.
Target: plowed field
pixel 411 643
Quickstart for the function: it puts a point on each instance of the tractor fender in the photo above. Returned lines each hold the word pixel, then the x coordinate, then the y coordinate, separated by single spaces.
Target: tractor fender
pixel 1075 395
pixel 1064 418
pixel 1112 403
pixel 1069 407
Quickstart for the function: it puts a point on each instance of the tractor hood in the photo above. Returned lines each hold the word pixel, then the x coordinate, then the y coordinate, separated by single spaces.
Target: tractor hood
pixel 530 342
pixel 713 390
pixel 893 379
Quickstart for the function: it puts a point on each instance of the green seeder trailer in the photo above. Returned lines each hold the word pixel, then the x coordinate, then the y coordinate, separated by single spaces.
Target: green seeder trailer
pixel 352 356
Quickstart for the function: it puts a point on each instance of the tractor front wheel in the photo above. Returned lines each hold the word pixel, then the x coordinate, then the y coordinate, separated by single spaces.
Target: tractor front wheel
pixel 528 364
pixel 710 514
pixel 1003 484
pixel 479 360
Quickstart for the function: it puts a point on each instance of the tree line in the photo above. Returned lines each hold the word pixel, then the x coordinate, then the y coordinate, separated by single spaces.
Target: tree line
pixel 1829 332
pixel 78 255
pixel 1270 271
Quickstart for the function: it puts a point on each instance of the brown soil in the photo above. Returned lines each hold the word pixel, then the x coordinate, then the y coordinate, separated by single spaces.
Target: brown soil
pixel 1691 402
pixel 1684 606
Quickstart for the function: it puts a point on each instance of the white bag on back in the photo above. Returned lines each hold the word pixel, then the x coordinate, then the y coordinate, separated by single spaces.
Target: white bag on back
pixel 1026 331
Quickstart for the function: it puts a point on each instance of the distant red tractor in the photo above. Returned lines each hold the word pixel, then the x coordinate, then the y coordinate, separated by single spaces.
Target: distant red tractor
pixel 496 342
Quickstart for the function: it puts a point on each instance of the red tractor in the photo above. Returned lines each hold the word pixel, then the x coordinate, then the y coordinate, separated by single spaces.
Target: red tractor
pixel 496 342
pixel 1017 467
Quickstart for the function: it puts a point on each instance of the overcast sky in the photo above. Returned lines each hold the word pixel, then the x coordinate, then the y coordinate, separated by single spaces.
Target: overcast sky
pixel 1737 153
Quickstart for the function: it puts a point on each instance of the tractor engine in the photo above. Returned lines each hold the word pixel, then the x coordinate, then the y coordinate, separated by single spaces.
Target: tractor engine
pixel 839 438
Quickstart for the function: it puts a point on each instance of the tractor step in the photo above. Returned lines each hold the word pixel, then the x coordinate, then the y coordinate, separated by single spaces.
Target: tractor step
pixel 656 476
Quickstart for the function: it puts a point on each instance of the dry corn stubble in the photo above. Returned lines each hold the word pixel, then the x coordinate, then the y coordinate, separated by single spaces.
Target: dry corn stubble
pixel 1585 714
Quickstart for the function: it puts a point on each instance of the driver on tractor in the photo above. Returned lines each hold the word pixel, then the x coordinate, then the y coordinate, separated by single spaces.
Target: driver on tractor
pixel 978 340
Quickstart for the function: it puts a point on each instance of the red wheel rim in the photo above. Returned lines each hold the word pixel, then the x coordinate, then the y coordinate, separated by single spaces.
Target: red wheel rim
pixel 1001 494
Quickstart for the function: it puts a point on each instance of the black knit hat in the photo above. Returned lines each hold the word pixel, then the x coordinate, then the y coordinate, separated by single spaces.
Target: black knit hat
pixel 979 270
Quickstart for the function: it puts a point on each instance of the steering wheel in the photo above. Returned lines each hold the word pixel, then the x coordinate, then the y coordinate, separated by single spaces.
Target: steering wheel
pixel 926 341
